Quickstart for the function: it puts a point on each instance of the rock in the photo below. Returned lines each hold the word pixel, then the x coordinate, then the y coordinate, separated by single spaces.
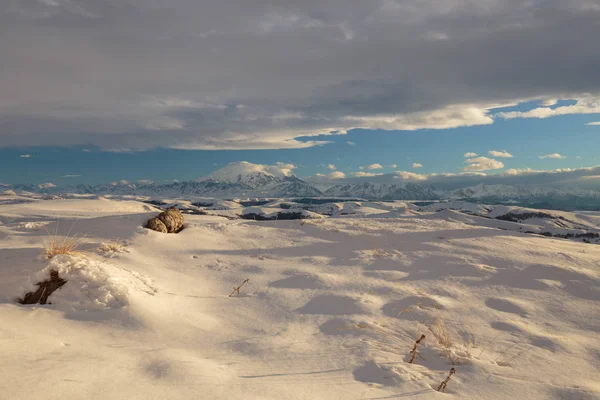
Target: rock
pixel 156 225
pixel 45 289
pixel 173 220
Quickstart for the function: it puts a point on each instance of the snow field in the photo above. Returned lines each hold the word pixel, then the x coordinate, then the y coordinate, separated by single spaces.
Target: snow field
pixel 331 310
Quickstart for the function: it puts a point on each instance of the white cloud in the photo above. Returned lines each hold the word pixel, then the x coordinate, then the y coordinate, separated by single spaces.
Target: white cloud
pixel 332 166
pixel 417 165
pixel 521 171
pixel 554 156
pixel 336 175
pixel 482 164
pixel 71 176
pixel 349 143
pixel 319 175
pixel 470 155
pixel 410 176
pixel 549 102
pixel 501 154
pixel 121 182
pixel 585 105
pixel 373 166
pixel 281 168
pixel 394 166
pixel 454 116
pixel 145 182
pixel 232 171
pixel 365 174
pixel 593 123
pixel 47 185
pixel 25 156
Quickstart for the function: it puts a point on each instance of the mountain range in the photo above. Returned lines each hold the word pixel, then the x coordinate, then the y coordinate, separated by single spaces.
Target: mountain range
pixel 246 180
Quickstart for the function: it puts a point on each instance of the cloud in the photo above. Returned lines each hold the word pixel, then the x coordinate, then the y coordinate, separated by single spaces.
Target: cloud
pixel 554 156
pixel 232 171
pixel 365 174
pixel 417 165
pixel 25 156
pixel 501 154
pixel 281 168
pixel 470 155
pixel 410 176
pixel 278 77
pixel 349 143
pixel 482 164
pixel 47 185
pixel 71 176
pixel 394 166
pixel 373 166
pixel 331 166
pixel 336 175
pixel 585 105
pixel 144 182
pixel 593 123
pixel 121 182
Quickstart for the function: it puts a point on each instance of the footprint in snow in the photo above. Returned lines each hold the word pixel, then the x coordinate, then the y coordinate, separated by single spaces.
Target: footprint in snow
pixel 331 305
pixel 504 306
pixel 300 281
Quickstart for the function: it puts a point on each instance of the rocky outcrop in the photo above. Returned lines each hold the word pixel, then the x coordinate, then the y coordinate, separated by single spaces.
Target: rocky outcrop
pixel 169 221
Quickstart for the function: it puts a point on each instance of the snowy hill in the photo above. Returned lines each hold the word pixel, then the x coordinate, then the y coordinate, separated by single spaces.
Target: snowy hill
pixel 331 309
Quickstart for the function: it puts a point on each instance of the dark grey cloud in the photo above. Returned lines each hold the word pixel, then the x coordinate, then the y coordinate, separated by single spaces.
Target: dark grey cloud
pixel 137 74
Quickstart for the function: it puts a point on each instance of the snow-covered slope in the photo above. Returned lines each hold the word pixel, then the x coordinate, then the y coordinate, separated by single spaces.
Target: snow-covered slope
pixel 331 309
pixel 571 198
pixel 408 191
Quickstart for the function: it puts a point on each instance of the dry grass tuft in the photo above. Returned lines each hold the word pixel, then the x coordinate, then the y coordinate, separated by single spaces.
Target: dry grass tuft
pixel 62 245
pixel 112 247
pixel 441 333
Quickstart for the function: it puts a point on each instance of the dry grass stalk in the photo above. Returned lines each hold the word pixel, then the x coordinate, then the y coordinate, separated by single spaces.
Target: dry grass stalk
pixel 414 351
pixel 489 343
pixel 236 290
pixel 443 385
pixel 440 331
pixel 519 354
pixel 410 308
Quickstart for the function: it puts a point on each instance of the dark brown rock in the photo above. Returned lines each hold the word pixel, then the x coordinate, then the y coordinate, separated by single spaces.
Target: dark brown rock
pixel 156 225
pixel 45 289
pixel 173 220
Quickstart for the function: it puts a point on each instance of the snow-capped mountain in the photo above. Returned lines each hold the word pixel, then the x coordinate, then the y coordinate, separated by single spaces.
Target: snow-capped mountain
pixel 258 181
pixel 247 180
pixel 372 191
pixel 245 173
pixel 533 196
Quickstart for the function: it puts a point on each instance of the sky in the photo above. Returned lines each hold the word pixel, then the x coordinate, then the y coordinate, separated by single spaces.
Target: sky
pixel 98 91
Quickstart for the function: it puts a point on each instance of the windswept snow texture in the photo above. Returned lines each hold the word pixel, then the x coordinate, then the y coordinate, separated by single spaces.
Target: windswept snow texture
pixel 332 308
